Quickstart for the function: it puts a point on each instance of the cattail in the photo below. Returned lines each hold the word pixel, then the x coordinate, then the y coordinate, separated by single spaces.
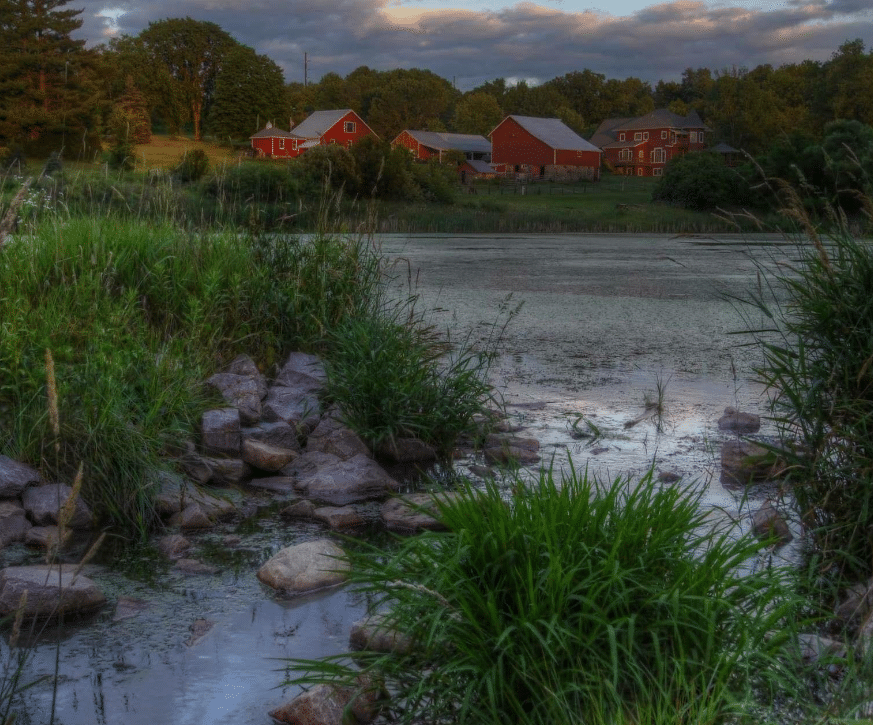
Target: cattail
pixel 68 509
pixel 52 387
pixel 88 556
pixel 19 618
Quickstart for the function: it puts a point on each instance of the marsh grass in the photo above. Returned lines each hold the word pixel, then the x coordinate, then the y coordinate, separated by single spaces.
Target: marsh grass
pixel 575 602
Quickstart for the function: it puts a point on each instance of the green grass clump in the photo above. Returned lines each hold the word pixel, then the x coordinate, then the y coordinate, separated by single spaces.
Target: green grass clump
pixel 575 602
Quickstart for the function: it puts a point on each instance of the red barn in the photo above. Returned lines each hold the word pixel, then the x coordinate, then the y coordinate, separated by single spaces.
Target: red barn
pixel 431 145
pixel 343 127
pixel 544 148
pixel 643 146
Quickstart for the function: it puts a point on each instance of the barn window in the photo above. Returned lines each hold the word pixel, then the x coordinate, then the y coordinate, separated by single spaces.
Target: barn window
pixel 349 126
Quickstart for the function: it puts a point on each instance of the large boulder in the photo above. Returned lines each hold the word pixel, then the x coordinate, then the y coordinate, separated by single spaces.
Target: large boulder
pixel 281 485
pixel 338 517
pixel 302 364
pixel 408 450
pixel 221 431
pixel 15 477
pixel 415 512
pixel 744 463
pixel 278 433
pixel 298 408
pixel 51 590
pixel 44 503
pixel 332 705
pixel 245 367
pixel 175 494
pixel 375 634
pixel 331 436
pixel 511 450
pixel 240 392
pixel 305 567
pixel 768 523
pixel 13 523
pixel 266 457
pixel 343 482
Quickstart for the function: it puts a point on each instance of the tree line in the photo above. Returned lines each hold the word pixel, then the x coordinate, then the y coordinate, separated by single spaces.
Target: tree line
pixel 181 74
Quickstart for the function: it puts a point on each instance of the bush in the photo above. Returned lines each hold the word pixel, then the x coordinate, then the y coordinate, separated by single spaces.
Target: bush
pixel 332 165
pixel 701 181
pixel 573 602
pixel 192 167
pixel 258 182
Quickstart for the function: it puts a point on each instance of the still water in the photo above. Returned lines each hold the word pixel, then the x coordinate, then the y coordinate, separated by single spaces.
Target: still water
pixel 605 321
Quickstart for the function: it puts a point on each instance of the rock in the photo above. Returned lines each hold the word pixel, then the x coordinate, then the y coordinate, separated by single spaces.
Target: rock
pixel 305 567
pixel 51 590
pixel 415 512
pixel 768 523
pixel 500 441
pixel 221 431
pixel 199 629
pixel 309 463
pixel 127 607
pixel 242 393
pixel 266 457
pixel 744 463
pixel 42 537
pixel 15 477
pixel 511 455
pixel 408 450
pixel 173 545
pixel 232 540
pixel 300 510
pixel 13 523
pixel 326 705
pixel 245 367
pixel 228 471
pixel 275 484
pixel 278 434
pixel 857 603
pixel 192 566
pixel 669 477
pixel 191 517
pixel 301 363
pixel 331 436
pixel 737 422
pixel 374 635
pixel 43 505
pixel 337 518
pixel 357 479
pixel 176 494
pixel 814 647
pixel 482 471
pixel 292 406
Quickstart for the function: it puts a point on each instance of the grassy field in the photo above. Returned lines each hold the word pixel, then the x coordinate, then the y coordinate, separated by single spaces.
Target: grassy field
pixel 164 152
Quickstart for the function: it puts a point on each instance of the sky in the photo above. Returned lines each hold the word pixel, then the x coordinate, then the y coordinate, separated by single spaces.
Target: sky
pixel 472 41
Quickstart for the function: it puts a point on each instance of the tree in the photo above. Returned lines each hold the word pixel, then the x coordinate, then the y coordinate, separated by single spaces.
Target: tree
pixel 46 87
pixel 477 112
pixel 131 115
pixel 409 99
pixel 249 87
pixel 193 52
pixel 701 181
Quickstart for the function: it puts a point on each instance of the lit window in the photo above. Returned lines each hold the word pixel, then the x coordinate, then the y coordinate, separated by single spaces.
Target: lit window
pixel 646 136
pixel 349 127
pixel 642 154
pixel 663 134
pixel 640 171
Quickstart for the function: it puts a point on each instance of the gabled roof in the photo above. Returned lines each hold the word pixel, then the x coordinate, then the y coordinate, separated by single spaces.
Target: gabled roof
pixel 662 118
pixel 481 167
pixel 723 148
pixel 553 132
pixel 272 132
pixel 319 122
pixel 605 133
pixel 452 141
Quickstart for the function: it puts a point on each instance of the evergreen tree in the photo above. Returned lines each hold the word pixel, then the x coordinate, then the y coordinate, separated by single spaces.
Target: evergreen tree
pixel 47 88
pixel 132 112
pixel 249 87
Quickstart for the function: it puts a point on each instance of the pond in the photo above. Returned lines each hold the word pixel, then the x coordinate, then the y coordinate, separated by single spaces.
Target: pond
pixel 606 323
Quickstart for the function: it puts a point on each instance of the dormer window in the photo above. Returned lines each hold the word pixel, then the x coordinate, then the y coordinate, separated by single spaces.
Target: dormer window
pixel 638 136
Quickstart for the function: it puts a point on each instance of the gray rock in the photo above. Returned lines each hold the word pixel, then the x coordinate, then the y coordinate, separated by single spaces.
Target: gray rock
pixel 856 604
pixel 357 479
pixel 415 512
pixel 199 629
pixel 304 509
pixel 176 493
pixel 127 607
pixel 669 477
pixel 305 567
pixel 221 431
pixel 173 545
pixel 408 450
pixel 15 477
pixel 13 523
pixel 503 441
pixel 242 393
pixel 375 634
pixel 338 518
pixel 331 436
pixel 278 433
pixel 510 455
pixel 744 463
pixel 266 457
pixel 290 405
pixel 283 485
pixel 305 364
pixel 51 590
pixel 327 705
pixel 814 647
pixel 737 422
pixel 193 566
pixel 42 537
pixel 43 504
pixel 191 517
pixel 246 367
pixel 768 523
pixel 309 464
pixel 228 471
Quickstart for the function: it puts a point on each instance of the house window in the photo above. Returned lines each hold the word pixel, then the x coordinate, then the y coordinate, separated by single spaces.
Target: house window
pixel 692 137
pixel 281 143
pixel 349 127
pixel 640 171
pixel 624 155
pixel 658 172
pixel 663 134
pixel 638 136
pixel 658 156
pixel 621 137
pixel 642 155
pixel 646 136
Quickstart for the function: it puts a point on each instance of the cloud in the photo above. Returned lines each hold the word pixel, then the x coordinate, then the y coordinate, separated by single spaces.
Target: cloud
pixel 524 40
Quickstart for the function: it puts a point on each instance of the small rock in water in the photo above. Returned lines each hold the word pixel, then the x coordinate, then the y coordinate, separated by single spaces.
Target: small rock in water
pixel 173 545
pixel 737 422
pixel 669 477
pixel 192 566
pixel 199 629
pixel 768 523
pixel 127 607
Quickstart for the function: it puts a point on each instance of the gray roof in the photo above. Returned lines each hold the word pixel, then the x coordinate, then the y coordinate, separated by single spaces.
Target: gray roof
pixel 723 148
pixel 623 144
pixel 272 132
pixel 554 133
pixel 481 167
pixel 452 141
pixel 662 118
pixel 319 122
pixel 605 133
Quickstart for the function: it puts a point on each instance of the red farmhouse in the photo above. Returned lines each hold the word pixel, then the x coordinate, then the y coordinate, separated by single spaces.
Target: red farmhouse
pixel 431 145
pixel 343 127
pixel 643 146
pixel 543 147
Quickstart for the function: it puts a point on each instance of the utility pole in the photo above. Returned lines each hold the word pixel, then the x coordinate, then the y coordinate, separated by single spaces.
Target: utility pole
pixel 305 69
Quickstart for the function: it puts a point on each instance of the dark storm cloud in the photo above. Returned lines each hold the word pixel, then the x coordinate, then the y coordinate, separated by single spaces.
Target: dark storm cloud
pixel 522 41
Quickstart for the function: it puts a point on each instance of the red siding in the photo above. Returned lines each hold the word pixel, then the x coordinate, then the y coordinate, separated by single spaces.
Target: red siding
pixel 274 148
pixel 422 153
pixel 645 162
pixel 511 145
pixel 338 134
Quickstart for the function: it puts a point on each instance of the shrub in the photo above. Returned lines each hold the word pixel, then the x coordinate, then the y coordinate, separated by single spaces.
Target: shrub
pixel 192 167
pixel 256 181
pixel 701 181
pixel 573 602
